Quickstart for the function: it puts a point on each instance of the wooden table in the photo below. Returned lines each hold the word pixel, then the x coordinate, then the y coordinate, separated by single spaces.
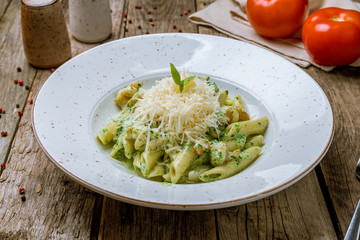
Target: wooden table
pixel 319 206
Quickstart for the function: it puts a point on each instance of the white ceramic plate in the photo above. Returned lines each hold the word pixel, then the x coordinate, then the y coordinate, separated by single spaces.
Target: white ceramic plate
pixel 77 101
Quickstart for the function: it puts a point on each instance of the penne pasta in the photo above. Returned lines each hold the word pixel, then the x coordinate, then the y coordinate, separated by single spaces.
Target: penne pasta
pixel 255 141
pixel 148 160
pixel 183 130
pixel 235 143
pixel 128 147
pixel 157 171
pixel 181 162
pixel 106 134
pixel 238 164
pixel 124 95
pixel 218 152
pixel 249 127
pixel 223 97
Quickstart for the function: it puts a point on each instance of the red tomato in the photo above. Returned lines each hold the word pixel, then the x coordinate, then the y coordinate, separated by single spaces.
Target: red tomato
pixel 332 36
pixel 277 18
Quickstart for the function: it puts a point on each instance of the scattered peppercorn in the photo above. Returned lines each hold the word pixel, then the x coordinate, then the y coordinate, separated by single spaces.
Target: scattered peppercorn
pixel 148 11
pixel 186 12
pixel 4 133
pixel 152 24
pixel 21 82
pixel 125 15
pixel 189 11
pixel 139 27
pixel 30 101
pixel 17 105
pixel 18 69
pixel 27 87
pixel 150 19
pixel 3 166
pixel 23 198
pixel 147 32
pixel 174 26
pixel 179 30
pixel 16 81
pixel 21 191
pixel 181 14
pixel 3 111
pixel 20 113
pixel 130 22
pixel 155 8
pixel 138 7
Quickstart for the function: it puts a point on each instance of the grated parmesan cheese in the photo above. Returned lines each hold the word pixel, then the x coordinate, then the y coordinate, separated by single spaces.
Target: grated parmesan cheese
pixel 181 117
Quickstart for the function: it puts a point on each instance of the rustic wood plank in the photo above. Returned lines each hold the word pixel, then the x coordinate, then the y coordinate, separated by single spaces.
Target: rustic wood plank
pixel 12 58
pixel 96 217
pixel 3 7
pixel 56 207
pixel 134 222
pixel 342 86
pixel 295 213
pixel 164 14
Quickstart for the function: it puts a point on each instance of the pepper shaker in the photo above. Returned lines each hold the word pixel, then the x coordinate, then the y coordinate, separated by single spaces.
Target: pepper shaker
pixel 46 40
pixel 90 20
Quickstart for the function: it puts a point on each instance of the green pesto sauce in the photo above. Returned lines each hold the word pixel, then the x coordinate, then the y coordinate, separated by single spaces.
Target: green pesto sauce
pixel 166 184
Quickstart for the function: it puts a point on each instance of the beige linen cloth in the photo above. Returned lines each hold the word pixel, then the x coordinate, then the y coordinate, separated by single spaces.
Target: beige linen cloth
pixel 229 17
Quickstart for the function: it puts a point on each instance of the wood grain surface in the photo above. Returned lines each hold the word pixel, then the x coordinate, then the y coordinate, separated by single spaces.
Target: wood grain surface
pixel 319 206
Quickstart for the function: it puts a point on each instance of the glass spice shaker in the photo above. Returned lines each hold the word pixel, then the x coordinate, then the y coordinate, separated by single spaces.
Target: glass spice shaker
pixel 45 37
pixel 90 20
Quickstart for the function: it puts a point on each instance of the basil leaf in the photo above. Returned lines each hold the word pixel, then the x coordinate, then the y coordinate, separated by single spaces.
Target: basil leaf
pixel 175 75
pixel 177 79
pixel 187 80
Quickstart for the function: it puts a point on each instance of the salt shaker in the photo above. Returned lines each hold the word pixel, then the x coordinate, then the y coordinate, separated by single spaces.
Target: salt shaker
pixel 90 20
pixel 45 37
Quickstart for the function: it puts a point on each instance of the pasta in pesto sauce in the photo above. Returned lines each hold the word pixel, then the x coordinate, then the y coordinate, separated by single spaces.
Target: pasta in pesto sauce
pixel 189 135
